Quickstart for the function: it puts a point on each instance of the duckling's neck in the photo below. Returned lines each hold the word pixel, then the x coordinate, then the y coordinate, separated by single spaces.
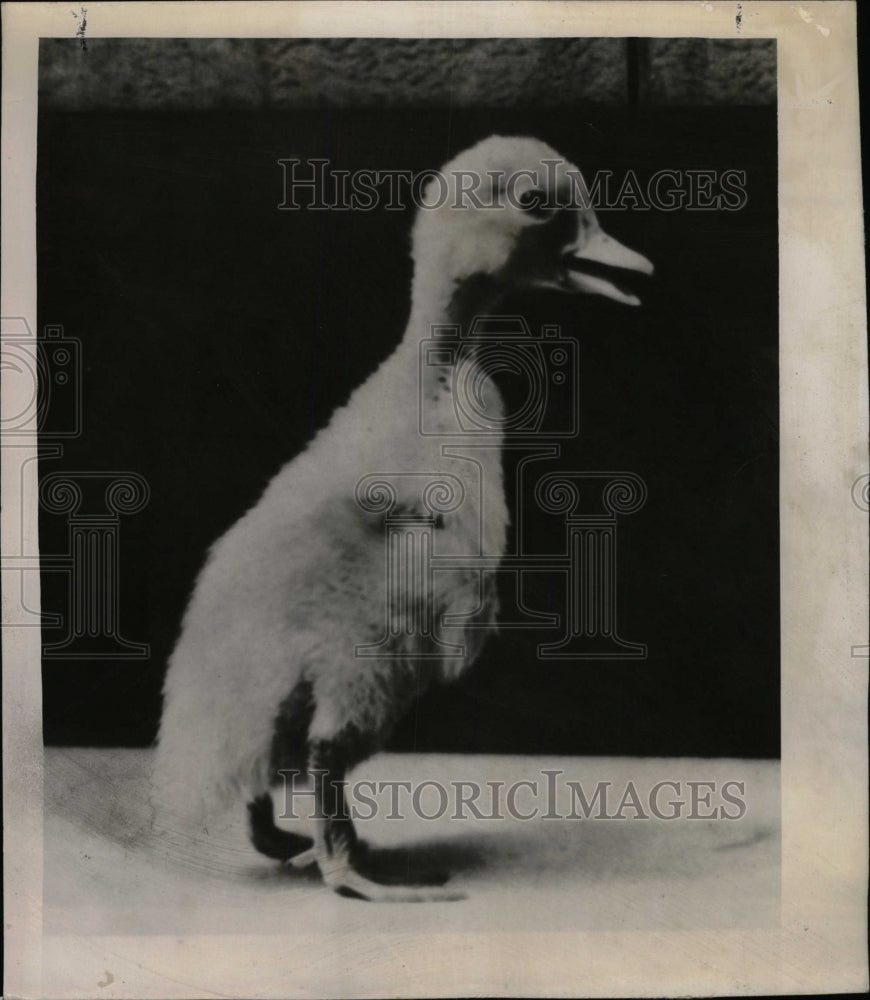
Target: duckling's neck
pixel 443 309
pixel 455 302
pixel 442 313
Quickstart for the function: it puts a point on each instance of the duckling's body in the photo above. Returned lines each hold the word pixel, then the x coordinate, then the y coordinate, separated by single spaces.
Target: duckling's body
pixel 266 674
pixel 291 590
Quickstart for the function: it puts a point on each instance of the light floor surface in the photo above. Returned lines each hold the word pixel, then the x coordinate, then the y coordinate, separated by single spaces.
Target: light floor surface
pixel 107 873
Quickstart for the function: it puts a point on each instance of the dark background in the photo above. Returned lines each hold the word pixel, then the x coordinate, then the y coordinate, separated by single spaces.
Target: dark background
pixel 219 334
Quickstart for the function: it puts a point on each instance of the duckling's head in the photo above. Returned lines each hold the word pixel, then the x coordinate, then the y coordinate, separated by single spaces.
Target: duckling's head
pixel 511 213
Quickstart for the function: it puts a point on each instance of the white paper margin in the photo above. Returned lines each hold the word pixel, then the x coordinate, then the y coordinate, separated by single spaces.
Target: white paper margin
pixel 821 945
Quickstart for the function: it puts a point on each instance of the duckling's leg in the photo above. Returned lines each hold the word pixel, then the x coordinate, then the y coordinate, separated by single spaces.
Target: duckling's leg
pixel 288 754
pixel 272 841
pixel 336 843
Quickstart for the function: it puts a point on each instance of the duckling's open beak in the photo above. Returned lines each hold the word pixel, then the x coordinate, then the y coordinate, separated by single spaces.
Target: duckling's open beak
pixel 601 266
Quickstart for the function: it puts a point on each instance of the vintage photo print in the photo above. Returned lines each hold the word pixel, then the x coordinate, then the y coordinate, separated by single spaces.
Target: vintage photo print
pixel 435 493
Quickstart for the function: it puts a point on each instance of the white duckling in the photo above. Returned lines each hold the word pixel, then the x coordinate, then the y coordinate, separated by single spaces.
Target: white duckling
pixel 265 675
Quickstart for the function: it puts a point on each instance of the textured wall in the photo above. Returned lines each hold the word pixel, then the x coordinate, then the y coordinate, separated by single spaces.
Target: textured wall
pixel 710 71
pixel 281 73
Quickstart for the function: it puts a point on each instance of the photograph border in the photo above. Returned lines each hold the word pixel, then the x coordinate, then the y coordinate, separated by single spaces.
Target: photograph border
pixel 821 943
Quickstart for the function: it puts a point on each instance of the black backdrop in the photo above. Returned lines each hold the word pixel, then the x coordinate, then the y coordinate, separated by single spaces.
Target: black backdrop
pixel 219 333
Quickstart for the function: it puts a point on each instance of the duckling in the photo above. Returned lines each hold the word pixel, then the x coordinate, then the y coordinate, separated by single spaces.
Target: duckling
pixel 265 677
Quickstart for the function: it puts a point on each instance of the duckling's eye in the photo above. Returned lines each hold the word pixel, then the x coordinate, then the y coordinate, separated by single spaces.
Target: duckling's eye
pixel 535 203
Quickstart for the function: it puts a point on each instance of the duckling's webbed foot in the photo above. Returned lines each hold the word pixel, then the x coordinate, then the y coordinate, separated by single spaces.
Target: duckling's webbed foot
pixel 337 848
pixel 269 839
pixel 304 859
